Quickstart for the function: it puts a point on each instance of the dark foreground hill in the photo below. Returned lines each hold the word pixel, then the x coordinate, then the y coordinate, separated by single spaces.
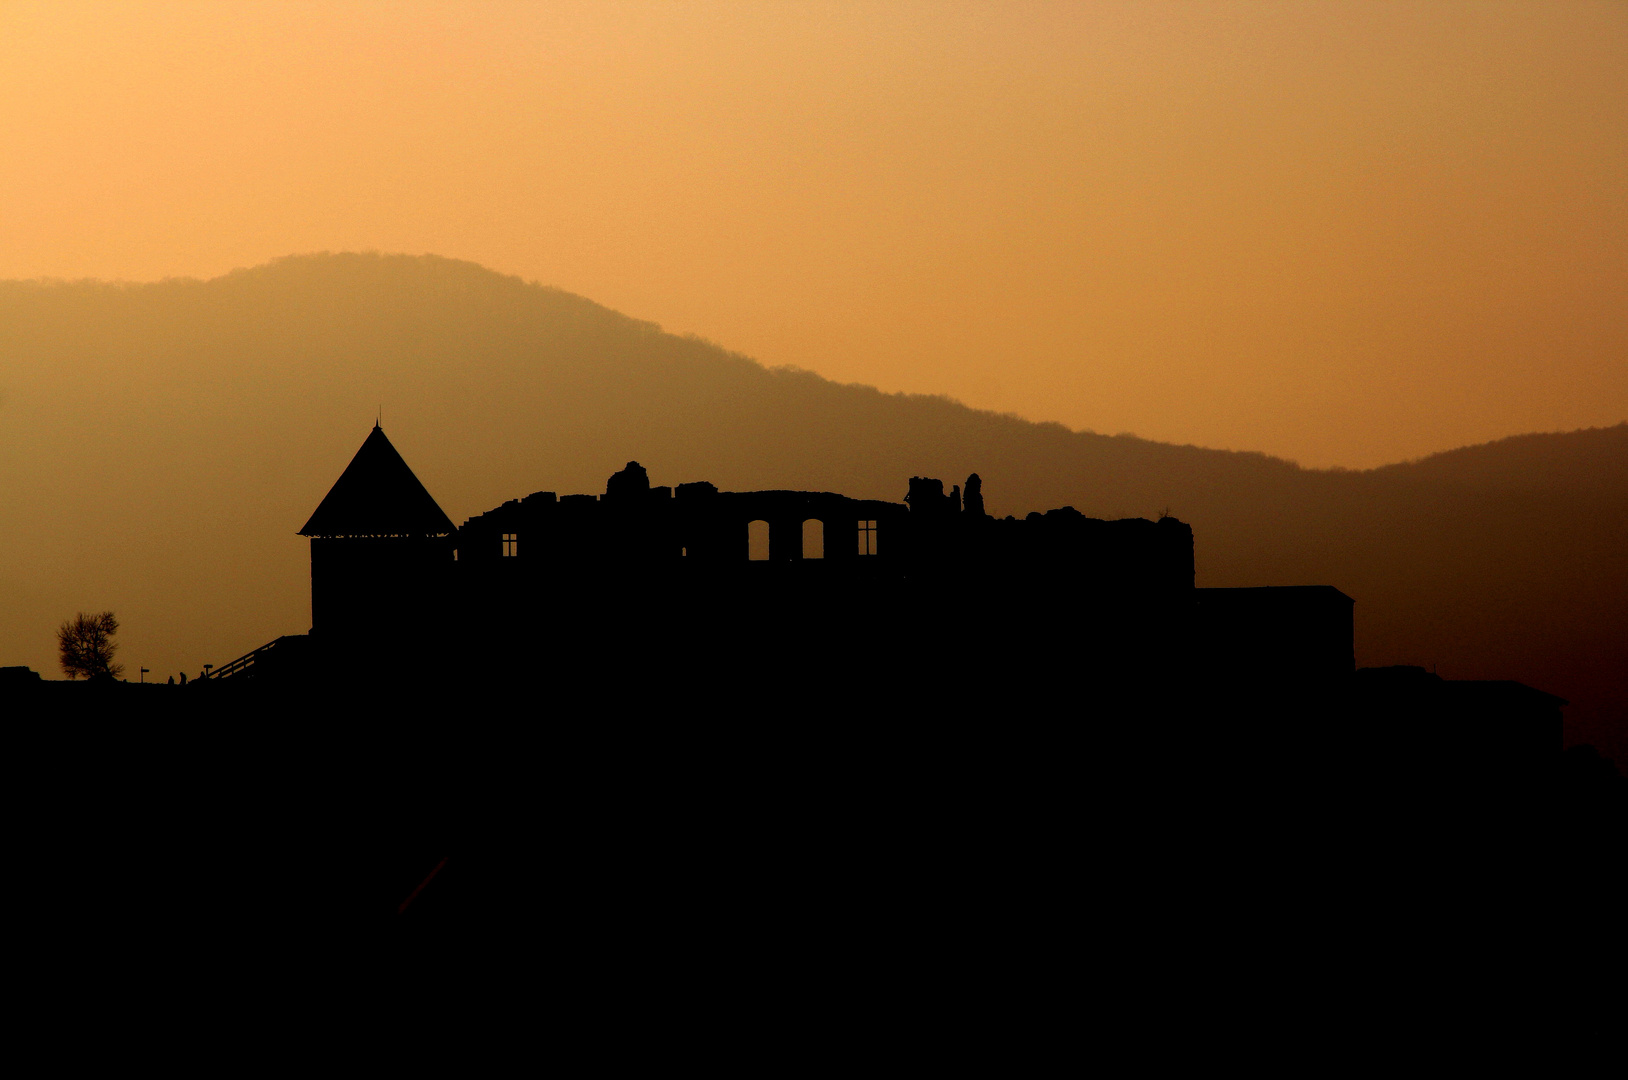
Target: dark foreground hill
pixel 160 444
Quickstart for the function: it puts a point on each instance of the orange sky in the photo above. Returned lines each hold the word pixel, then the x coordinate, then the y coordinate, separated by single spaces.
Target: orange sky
pixel 1342 233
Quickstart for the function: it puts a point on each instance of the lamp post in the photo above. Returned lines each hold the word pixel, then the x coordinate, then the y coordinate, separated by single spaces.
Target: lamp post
pixel 143 677
pixel 206 670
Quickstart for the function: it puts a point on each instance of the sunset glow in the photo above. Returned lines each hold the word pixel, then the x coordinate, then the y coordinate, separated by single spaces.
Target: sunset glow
pixel 1346 234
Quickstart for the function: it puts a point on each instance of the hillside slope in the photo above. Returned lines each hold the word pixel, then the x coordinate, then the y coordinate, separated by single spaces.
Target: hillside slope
pixel 161 443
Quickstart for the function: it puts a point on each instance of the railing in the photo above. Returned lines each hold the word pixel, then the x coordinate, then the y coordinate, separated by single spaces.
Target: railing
pixel 244 665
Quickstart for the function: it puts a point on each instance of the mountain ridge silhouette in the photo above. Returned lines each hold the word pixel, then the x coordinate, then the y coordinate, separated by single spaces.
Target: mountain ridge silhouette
pixel 160 443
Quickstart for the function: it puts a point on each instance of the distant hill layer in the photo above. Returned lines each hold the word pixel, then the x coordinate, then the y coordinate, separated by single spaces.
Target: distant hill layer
pixel 160 444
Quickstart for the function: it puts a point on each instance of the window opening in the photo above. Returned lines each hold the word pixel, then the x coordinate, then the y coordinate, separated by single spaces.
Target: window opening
pixel 511 545
pixel 813 539
pixel 867 538
pixel 757 541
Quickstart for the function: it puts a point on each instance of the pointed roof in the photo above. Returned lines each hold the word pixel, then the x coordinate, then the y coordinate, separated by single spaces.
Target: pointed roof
pixel 377 495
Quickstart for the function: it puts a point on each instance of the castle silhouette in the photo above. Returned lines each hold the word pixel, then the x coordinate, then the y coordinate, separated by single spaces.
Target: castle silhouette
pixel 627 711
pixel 785 584
pixel 927 605
pixel 710 662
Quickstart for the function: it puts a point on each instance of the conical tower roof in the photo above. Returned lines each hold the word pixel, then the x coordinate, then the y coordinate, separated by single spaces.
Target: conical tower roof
pixel 377 495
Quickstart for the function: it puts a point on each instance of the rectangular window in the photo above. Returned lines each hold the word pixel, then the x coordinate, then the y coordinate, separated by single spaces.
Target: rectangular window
pixel 867 538
pixel 511 545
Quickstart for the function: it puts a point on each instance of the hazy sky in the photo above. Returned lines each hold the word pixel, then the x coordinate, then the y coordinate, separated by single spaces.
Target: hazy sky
pixel 1343 233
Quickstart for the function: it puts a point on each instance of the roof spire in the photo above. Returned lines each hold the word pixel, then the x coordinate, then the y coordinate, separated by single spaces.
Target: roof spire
pixel 377 495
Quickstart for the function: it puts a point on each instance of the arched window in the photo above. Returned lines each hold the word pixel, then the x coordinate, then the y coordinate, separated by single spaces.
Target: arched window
pixel 813 539
pixel 757 541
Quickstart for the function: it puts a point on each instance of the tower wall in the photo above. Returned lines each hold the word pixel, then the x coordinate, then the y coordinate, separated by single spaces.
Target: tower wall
pixel 379 591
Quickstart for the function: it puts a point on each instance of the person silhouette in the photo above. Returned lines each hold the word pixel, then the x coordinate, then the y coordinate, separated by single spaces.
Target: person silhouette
pixel 172 680
pixel 183 678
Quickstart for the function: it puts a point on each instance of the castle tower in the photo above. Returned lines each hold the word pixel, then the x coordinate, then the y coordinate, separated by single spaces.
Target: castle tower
pixel 381 556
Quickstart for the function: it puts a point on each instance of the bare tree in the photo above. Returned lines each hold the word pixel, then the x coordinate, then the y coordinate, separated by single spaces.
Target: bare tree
pixel 87 646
